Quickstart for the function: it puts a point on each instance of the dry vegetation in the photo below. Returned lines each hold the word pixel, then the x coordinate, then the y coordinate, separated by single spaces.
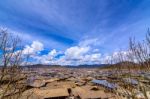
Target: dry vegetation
pixel 12 80
pixel 135 60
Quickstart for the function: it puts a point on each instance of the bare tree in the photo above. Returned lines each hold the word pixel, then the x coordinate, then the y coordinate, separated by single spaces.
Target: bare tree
pixel 136 60
pixel 141 55
pixel 12 79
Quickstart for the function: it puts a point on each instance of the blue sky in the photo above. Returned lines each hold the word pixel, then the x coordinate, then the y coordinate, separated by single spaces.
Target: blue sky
pixel 100 27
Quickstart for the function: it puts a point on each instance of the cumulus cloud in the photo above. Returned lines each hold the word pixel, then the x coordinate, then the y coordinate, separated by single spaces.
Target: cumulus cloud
pixel 48 58
pixel 76 52
pixel 35 47
pixel 83 53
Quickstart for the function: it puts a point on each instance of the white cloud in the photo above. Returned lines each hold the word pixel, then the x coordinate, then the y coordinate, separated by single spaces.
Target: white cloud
pixel 96 50
pixel 52 53
pixel 76 52
pixel 93 57
pixel 84 53
pixel 89 42
pixel 75 55
pixel 46 59
pixel 35 47
pixel 118 56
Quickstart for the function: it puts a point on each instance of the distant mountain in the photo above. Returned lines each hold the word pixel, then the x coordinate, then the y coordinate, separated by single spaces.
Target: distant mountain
pixel 87 66
pixel 122 65
pixel 42 66
pixel 66 66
